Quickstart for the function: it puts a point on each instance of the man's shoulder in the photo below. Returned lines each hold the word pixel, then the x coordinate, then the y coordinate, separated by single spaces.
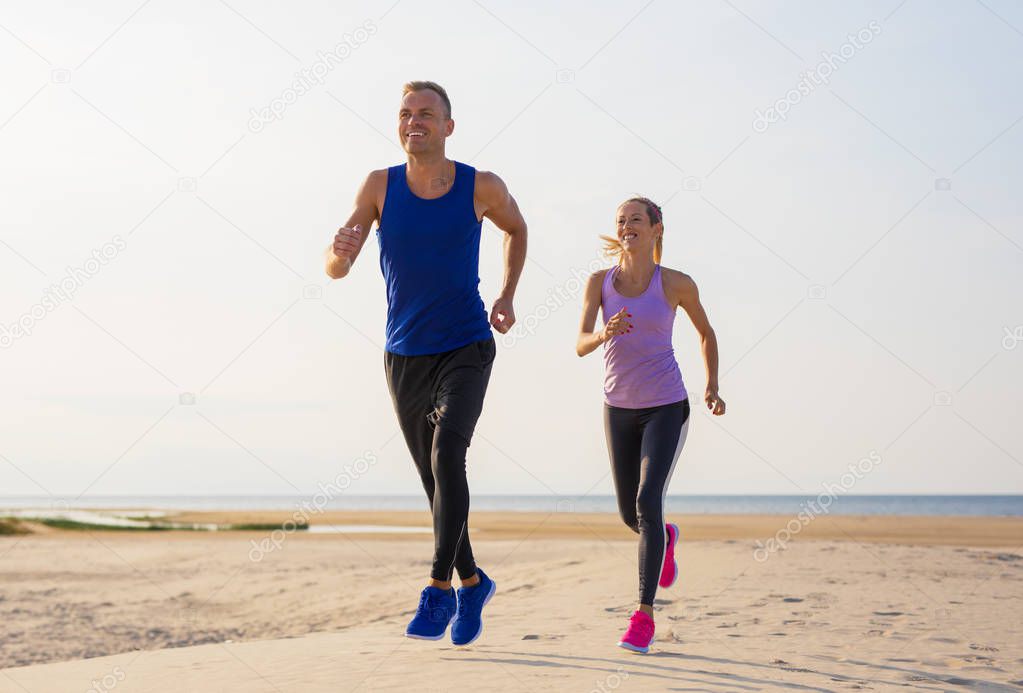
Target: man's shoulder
pixel 486 176
pixel 377 178
pixel 489 184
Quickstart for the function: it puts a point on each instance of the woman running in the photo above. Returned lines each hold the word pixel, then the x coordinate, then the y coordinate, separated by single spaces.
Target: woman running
pixel 646 408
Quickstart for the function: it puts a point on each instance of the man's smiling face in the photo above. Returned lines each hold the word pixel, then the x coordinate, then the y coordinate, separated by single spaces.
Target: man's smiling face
pixel 423 122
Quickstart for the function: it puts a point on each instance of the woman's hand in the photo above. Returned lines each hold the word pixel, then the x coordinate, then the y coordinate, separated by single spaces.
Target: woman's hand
pixel 618 324
pixel 714 401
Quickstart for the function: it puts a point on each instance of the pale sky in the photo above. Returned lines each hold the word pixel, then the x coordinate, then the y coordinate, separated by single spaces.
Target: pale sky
pixel 860 305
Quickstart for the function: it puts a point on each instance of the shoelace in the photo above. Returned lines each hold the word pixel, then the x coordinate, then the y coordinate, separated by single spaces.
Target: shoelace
pixel 425 603
pixel 641 626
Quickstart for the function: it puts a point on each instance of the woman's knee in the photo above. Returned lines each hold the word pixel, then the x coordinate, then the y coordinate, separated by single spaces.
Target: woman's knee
pixel 648 507
pixel 628 515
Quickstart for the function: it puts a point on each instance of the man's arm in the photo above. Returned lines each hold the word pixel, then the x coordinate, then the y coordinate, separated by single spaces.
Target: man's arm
pixel 350 238
pixel 497 204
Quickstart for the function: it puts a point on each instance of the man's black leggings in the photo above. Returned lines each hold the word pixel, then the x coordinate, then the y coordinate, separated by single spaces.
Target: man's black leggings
pixel 438 398
pixel 644 445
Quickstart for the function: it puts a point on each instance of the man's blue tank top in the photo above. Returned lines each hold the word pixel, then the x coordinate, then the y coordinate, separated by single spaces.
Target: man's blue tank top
pixel 430 256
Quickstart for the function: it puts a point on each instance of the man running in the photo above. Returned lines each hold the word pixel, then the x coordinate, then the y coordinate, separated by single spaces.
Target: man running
pixel 439 350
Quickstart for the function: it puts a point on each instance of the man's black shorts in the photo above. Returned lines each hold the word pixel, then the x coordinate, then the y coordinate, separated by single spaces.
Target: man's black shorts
pixel 447 389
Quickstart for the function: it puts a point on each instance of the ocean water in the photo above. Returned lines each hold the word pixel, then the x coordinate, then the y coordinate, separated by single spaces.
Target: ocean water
pixel 983 505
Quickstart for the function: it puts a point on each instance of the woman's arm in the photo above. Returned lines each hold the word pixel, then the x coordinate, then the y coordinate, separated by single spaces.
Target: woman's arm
pixel 588 338
pixel 689 298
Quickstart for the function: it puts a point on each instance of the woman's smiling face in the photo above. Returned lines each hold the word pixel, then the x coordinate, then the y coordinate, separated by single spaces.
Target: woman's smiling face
pixel 635 232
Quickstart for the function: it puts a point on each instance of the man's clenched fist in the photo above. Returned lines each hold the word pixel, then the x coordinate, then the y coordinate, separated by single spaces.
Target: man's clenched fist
pixel 347 241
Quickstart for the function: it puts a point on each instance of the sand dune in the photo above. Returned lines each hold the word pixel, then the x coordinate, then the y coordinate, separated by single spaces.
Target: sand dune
pixel 326 613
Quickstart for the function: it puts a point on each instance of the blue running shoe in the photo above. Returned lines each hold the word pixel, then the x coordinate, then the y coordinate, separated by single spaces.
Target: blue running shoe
pixel 435 611
pixel 468 623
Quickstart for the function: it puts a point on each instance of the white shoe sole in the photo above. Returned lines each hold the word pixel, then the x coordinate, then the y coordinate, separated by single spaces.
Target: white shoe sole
pixel 633 648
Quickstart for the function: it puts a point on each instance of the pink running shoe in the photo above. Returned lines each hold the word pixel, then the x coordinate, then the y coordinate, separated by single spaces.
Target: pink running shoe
pixel 639 634
pixel 669 571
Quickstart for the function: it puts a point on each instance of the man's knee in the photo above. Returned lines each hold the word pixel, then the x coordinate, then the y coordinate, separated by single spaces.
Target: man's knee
pixel 448 454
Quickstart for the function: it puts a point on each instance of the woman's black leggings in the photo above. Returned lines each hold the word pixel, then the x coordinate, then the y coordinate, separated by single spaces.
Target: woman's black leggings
pixel 644 445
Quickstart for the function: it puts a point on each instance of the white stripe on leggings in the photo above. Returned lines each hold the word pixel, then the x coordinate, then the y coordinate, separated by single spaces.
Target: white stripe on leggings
pixel 664 491
pixel 461 538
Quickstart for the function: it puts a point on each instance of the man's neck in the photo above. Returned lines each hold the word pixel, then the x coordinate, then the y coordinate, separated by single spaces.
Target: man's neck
pixel 434 174
pixel 428 167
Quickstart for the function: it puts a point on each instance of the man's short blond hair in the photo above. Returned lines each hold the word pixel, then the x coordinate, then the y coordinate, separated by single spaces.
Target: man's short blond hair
pixel 422 85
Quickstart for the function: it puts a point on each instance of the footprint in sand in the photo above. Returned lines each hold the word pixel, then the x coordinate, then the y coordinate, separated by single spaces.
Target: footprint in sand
pixel 975 659
pixel 617 609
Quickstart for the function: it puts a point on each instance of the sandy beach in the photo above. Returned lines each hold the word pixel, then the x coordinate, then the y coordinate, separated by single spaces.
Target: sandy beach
pixel 874 603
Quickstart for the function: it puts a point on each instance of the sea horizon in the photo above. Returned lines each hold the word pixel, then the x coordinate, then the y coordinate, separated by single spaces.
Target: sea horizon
pixel 993 505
